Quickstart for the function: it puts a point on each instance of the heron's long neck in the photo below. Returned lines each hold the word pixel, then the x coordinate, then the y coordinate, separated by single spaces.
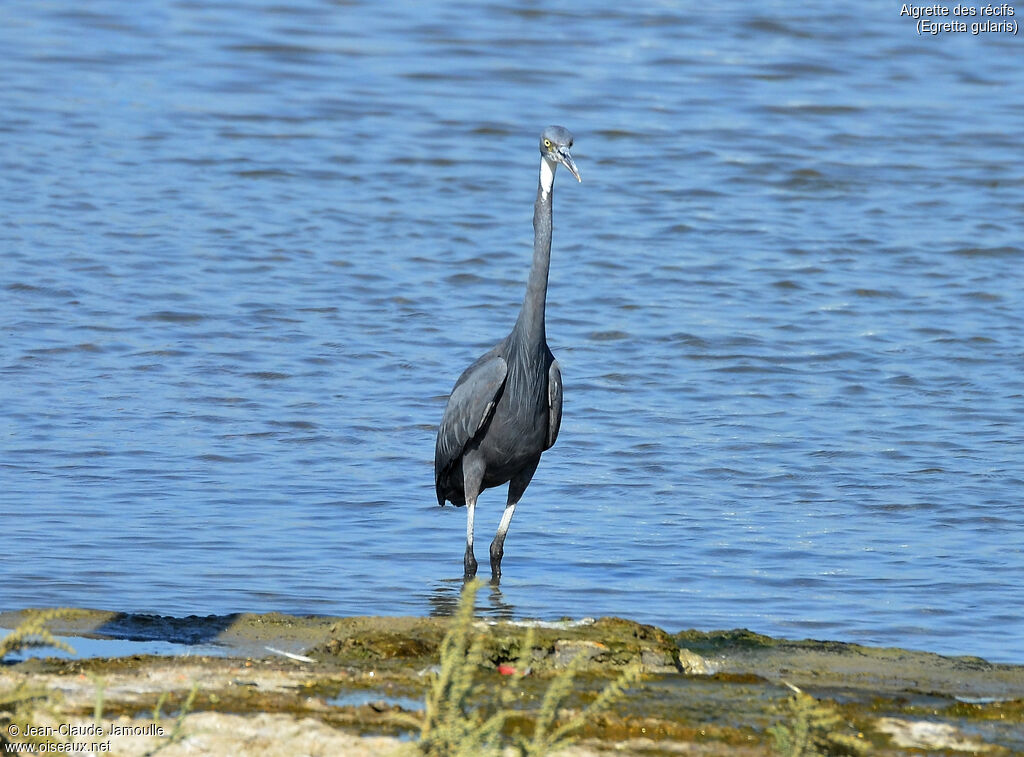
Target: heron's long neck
pixel 531 317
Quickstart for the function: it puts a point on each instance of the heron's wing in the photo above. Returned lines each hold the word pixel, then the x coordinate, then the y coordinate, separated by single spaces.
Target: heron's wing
pixel 554 402
pixel 470 406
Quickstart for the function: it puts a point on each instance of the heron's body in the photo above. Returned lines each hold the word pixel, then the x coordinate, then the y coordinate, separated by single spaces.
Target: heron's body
pixel 506 408
pixel 520 424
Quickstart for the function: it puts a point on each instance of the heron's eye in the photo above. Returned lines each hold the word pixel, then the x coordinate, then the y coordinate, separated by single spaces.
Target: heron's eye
pixel 547 143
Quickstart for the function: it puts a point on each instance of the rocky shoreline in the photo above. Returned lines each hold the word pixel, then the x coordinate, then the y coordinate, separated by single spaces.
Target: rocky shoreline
pixel 313 685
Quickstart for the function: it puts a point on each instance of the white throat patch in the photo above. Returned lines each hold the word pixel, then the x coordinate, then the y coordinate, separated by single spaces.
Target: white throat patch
pixel 547 175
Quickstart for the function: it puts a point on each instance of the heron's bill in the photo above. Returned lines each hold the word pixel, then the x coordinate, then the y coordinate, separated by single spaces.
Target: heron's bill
pixel 568 162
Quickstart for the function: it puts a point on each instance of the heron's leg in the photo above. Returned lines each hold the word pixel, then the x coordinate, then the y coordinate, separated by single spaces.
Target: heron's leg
pixel 470 561
pixel 473 476
pixel 498 545
pixel 516 487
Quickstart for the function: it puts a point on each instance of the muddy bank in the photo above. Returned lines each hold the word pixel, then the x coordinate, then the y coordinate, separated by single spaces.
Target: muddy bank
pixel 351 679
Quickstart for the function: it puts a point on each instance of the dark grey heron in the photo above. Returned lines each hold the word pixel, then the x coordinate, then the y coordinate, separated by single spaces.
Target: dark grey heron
pixel 506 407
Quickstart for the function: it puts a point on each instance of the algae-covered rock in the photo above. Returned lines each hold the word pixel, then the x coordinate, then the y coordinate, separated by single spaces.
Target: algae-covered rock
pixel 358 640
pixel 380 646
pixel 738 638
pixel 356 672
pixel 607 643
pixel 604 643
pixel 693 664
pixel 567 650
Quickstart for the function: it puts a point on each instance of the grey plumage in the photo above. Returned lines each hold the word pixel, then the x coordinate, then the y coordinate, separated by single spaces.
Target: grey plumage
pixel 506 408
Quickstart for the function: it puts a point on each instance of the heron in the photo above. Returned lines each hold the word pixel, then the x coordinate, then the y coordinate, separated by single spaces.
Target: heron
pixel 506 408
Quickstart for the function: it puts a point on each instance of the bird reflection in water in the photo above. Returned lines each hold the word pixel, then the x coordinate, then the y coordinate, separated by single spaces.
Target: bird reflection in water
pixel 444 600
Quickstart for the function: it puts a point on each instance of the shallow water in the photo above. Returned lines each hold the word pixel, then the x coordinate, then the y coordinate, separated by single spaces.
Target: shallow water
pixel 247 248
pixel 84 647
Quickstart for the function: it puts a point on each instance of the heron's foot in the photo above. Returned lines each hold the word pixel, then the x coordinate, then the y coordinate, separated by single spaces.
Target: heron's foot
pixel 496 554
pixel 470 563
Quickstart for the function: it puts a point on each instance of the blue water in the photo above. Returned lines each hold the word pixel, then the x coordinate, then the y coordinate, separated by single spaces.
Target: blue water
pixel 246 248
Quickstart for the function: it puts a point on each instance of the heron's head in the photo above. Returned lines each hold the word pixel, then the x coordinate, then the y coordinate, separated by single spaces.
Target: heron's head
pixel 555 142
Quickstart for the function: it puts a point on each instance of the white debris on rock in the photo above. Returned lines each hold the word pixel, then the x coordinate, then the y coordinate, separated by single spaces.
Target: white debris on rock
pixel 924 734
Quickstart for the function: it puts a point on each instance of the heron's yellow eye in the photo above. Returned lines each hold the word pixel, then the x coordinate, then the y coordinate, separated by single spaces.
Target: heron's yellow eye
pixel 547 143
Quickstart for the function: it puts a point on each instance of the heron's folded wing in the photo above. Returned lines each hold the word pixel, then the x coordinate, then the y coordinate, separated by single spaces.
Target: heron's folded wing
pixel 470 406
pixel 554 402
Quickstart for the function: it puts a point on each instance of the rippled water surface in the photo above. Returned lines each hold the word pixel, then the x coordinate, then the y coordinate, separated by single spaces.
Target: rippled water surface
pixel 247 248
